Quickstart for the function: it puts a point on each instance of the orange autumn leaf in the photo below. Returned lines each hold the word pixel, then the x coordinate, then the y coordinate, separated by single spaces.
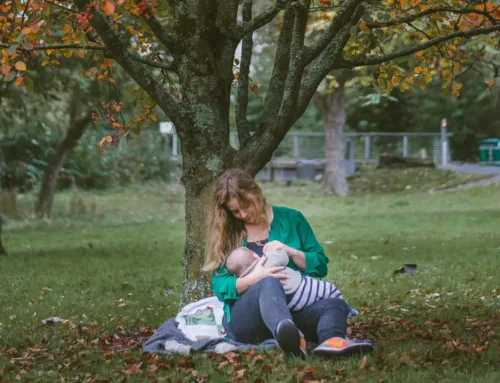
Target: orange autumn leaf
pixel 6 69
pixel 20 66
pixel 106 139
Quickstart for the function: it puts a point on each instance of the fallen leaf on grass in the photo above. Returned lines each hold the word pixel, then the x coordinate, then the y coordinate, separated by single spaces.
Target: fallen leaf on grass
pixel 221 365
pixel 230 356
pixel 257 359
pixel 364 363
pixel 133 369
pixel 240 374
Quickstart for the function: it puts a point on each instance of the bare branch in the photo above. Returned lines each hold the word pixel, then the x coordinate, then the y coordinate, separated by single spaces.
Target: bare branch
pixel 45 47
pixel 262 19
pixel 280 69
pixel 153 63
pixel 407 51
pixel 409 19
pixel 246 57
pixel 166 36
pixel 340 19
pixel 61 6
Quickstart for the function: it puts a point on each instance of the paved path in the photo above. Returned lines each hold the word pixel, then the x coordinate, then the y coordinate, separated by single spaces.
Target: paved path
pixel 494 171
pixel 473 168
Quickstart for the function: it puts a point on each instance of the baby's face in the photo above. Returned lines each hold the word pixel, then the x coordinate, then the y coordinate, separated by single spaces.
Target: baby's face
pixel 246 258
pixel 243 258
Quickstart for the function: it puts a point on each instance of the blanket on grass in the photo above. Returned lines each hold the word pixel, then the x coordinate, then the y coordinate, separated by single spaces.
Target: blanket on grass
pixel 197 327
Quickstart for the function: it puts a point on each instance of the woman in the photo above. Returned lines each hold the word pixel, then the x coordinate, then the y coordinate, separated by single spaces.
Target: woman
pixel 255 306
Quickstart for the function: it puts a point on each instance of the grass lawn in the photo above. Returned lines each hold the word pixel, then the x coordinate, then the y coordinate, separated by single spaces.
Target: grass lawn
pixel 115 273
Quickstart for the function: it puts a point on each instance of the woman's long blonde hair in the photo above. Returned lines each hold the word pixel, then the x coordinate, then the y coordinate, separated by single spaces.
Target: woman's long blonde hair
pixel 224 231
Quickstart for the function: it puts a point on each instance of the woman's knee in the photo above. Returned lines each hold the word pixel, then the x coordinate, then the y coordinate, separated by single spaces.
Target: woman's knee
pixel 269 283
pixel 335 303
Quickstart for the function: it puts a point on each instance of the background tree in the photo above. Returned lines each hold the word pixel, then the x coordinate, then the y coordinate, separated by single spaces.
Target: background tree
pixel 182 55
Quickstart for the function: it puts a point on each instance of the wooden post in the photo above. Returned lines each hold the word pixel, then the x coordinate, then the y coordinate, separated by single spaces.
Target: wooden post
pixel 174 145
pixel 367 147
pixel 351 149
pixel 405 146
pixel 296 146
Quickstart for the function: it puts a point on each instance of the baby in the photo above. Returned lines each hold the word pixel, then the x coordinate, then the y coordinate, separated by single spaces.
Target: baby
pixel 304 290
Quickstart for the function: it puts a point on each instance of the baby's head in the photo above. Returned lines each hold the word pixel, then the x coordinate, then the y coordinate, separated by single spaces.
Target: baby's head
pixel 239 260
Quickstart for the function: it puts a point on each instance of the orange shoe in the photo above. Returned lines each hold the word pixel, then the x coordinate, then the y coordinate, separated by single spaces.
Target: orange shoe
pixel 343 347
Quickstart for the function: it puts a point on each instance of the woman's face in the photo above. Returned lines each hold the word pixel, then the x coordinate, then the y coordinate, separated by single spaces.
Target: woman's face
pixel 247 214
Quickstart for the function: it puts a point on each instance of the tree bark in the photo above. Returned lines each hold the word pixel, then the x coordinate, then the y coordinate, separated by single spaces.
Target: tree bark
pixel 76 129
pixel 332 107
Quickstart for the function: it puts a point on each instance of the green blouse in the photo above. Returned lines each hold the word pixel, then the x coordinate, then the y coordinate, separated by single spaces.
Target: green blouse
pixel 290 227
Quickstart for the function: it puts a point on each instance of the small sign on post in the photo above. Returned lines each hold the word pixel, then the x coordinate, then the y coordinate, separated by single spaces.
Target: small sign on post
pixel 168 128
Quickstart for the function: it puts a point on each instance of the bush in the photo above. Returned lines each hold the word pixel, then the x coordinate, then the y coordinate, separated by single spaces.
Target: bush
pixel 23 160
pixel 141 158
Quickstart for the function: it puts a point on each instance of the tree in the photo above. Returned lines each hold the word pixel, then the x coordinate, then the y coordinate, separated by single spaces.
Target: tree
pixel 181 53
pixel 331 102
pixel 76 127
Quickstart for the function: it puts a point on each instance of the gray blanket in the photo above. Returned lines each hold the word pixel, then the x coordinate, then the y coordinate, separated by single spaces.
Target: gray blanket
pixel 169 340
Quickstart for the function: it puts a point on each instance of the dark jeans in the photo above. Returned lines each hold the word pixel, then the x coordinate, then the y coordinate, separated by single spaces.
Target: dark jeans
pixel 255 316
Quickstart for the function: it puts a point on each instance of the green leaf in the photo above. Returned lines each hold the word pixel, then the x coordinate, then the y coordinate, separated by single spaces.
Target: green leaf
pixel 12 49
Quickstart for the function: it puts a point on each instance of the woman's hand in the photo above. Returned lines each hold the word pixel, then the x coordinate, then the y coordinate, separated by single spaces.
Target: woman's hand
pixel 261 272
pixel 297 256
pixel 276 245
pixel 244 283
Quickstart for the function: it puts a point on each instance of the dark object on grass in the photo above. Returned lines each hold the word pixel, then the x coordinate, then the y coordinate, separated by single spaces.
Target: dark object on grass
pixel 391 161
pixel 409 268
pixel 2 250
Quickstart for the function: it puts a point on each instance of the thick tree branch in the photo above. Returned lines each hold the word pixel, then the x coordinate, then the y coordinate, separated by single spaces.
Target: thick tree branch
pixel 166 36
pixel 118 48
pixel 339 20
pixel 270 133
pixel 226 16
pixel 292 84
pixel 246 57
pixel 409 19
pixel 260 20
pixel 276 88
pixel 410 50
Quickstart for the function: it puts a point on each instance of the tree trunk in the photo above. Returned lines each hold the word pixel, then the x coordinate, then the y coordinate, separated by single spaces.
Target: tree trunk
pixel 45 202
pixel 196 282
pixel 332 107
